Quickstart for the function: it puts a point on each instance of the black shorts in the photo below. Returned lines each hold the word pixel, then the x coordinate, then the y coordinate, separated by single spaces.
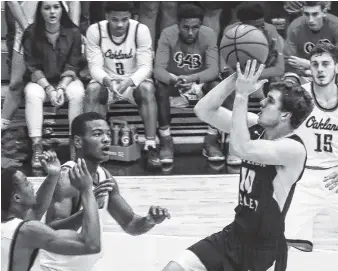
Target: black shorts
pixel 228 251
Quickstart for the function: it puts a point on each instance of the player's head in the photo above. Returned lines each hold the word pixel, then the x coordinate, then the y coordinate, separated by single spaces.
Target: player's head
pixel 190 19
pixel 286 104
pixel 118 14
pixel 91 136
pixel 323 64
pixel 314 13
pixel 16 190
pixel 251 13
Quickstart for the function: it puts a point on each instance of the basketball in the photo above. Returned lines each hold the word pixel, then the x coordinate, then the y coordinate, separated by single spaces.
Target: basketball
pixel 243 42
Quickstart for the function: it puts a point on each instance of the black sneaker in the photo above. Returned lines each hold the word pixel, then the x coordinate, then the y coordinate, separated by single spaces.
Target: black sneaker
pixel 212 148
pixel 152 158
pixel 166 150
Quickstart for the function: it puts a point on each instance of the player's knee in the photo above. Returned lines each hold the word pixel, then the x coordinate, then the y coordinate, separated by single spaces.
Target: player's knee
pixel 173 266
pixel 146 91
pixel 149 9
pixel 94 94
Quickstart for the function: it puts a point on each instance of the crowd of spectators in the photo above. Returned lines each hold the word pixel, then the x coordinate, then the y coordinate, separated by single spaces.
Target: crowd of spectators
pixel 55 53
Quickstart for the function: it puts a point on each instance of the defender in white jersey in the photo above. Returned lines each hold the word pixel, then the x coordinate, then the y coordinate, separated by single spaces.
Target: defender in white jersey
pixel 317 190
pixel 91 137
pixel 120 59
pixel 22 234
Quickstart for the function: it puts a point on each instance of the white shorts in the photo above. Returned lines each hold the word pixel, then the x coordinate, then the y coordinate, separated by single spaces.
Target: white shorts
pixel 311 197
pixel 189 261
pixel 128 95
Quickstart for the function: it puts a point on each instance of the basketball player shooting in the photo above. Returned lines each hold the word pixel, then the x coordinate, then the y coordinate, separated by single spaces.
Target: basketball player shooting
pixel 22 234
pixel 273 160
pixel 92 138
pixel 318 188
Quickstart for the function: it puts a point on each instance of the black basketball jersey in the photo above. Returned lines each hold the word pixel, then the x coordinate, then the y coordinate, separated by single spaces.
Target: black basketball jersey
pixel 258 212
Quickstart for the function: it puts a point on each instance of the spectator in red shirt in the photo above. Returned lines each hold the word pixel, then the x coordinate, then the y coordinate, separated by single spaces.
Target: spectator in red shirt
pixel 186 65
pixel 52 53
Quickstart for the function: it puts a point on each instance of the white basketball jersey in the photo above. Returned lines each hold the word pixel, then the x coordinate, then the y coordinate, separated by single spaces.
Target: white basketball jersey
pixel 8 230
pixel 119 57
pixel 52 262
pixel 319 133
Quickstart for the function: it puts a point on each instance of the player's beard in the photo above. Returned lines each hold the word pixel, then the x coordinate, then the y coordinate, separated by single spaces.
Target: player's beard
pixel 332 79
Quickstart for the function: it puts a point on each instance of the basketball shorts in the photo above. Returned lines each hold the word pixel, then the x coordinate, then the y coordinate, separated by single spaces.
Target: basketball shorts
pixel 311 197
pixel 114 96
pixel 226 251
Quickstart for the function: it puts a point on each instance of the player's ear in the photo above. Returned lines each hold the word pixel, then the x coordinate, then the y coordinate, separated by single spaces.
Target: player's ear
pixel 286 116
pixel 336 67
pixel 16 197
pixel 77 141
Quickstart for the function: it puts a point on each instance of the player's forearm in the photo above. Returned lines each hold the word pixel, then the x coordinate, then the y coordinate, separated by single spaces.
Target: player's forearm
pixel 97 72
pixel 139 225
pixel 239 136
pixel 162 75
pixel 211 102
pixel 18 13
pixel 73 222
pixel 275 71
pixel 44 197
pixel 90 232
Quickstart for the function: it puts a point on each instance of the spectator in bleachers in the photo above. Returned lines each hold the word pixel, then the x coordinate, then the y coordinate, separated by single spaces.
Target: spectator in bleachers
pixel 186 65
pixel 52 52
pixel 149 10
pixel 119 55
pixel 314 26
pixel 24 15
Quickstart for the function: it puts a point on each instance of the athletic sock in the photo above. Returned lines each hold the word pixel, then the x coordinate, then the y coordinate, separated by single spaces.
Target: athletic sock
pixel 150 142
pixel 165 131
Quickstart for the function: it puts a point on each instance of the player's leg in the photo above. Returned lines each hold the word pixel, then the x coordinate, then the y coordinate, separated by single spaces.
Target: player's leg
pixel 75 93
pixel 144 96
pixel 186 261
pixel 212 148
pixel 96 99
pixel 166 142
pixel 13 97
pixel 148 16
pixel 168 13
pixel 35 96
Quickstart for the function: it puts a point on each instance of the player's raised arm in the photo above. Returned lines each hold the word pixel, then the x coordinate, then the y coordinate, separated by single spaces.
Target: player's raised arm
pixel 130 222
pixel 37 235
pixel 282 152
pixel 209 109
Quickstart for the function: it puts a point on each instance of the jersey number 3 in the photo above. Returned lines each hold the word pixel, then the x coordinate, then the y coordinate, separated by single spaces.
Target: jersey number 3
pixel 324 142
pixel 247 179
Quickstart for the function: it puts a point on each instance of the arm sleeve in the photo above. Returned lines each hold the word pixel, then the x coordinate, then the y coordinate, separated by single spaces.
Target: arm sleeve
pixel 211 59
pixel 162 59
pixel 144 57
pixel 94 54
pixel 33 64
pixel 73 65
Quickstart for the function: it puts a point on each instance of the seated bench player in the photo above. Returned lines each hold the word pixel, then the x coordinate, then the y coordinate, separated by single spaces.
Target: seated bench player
pixel 119 55
pixel 186 63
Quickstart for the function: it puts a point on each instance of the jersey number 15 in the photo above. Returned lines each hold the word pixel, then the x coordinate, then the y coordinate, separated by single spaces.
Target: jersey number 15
pixel 324 142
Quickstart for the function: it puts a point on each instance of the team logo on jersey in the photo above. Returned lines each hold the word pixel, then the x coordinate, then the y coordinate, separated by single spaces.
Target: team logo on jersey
pixel 118 54
pixel 308 46
pixel 192 61
pixel 321 125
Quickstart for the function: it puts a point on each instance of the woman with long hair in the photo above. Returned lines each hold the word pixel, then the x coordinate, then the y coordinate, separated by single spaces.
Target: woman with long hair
pixel 52 53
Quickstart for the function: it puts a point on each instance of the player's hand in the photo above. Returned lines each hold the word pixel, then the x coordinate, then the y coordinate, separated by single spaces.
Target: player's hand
pixel 103 189
pixel 126 83
pixel 50 162
pixel 248 82
pixel 299 63
pixel 157 214
pixel 52 95
pixel 80 177
pixel 332 181
pixel 187 78
pixel 60 96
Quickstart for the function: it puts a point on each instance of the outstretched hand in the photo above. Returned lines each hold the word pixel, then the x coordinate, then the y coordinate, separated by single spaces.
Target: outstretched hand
pixel 248 82
pixel 50 162
pixel 158 214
